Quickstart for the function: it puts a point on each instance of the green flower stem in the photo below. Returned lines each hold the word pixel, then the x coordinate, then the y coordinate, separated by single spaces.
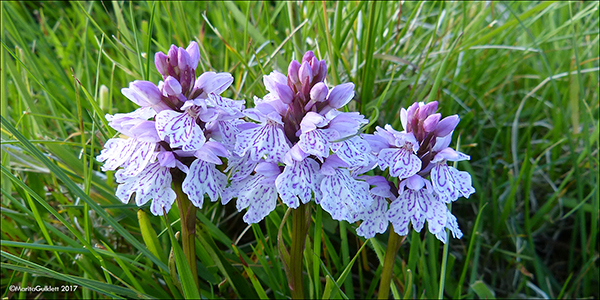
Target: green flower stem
pixel 300 224
pixel 187 212
pixel 388 265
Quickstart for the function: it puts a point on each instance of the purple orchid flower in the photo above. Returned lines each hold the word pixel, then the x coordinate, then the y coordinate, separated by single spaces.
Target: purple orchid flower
pixel 317 148
pixel 414 155
pixel 183 125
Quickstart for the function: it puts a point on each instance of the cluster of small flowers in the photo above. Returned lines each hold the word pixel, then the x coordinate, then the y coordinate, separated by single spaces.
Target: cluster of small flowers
pixel 302 148
pixel 183 123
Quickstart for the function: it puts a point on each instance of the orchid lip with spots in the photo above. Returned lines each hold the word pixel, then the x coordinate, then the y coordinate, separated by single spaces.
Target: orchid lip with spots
pixel 183 126
pixel 302 147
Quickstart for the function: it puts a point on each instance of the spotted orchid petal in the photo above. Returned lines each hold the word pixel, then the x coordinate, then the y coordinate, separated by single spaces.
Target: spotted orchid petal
pixel 257 193
pixel 181 128
pixel 298 181
pixel 402 162
pixel 154 182
pixel 316 142
pixel 355 151
pixel 203 178
pixel 267 139
pixel 240 166
pixel 444 183
pixel 343 196
pixel 463 182
pixel 139 159
pixel 374 218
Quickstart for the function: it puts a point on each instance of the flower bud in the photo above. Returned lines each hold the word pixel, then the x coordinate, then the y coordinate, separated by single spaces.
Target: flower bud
pixel 446 125
pixel 305 74
pixel 160 60
pixel 431 122
pixel 319 92
pixel 172 86
pixel 315 66
pixel 293 69
pixel 341 95
pixel 194 53
pixel 427 110
pixel 308 56
pixel 173 56
pixel 322 71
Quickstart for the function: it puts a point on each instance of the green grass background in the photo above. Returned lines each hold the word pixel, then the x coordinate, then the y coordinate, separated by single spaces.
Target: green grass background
pixel 523 76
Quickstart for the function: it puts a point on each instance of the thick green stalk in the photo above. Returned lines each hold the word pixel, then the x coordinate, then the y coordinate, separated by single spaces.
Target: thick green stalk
pixel 388 265
pixel 187 212
pixel 299 231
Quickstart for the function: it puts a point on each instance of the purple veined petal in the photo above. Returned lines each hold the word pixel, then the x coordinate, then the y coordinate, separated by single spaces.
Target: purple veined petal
pixel 151 183
pixel 403 139
pixel 139 159
pixel 211 82
pixel 340 95
pixel 343 196
pixel 227 106
pixel 452 224
pixel 226 131
pixel 240 167
pixel 203 178
pixel 143 93
pixel 398 215
pixel 436 215
pixel 112 154
pixel 194 53
pixel 450 155
pixel 463 182
pixel 258 197
pixel 354 151
pixel 268 139
pixel 311 121
pixel 298 181
pixel 374 218
pixel 273 79
pixel 181 128
pixel 443 183
pixel 315 142
pixel 163 202
pixel 402 162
